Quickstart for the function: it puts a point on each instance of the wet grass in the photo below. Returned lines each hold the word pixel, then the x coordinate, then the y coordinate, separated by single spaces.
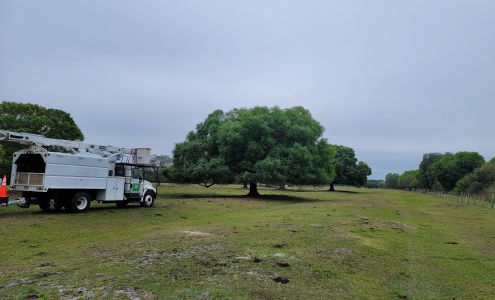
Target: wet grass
pixel 215 243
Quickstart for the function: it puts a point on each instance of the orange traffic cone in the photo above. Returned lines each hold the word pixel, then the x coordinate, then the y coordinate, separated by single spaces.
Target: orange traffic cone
pixel 3 191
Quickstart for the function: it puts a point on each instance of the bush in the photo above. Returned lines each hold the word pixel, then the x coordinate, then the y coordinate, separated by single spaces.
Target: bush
pixel 477 181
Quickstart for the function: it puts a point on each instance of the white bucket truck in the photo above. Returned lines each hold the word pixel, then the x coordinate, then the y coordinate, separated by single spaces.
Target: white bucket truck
pixel 56 174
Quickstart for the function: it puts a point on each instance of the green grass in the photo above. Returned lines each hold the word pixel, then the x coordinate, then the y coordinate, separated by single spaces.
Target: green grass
pixel 211 243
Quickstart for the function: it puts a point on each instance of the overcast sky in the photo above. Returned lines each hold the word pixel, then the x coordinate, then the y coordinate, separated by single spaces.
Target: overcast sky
pixel 392 79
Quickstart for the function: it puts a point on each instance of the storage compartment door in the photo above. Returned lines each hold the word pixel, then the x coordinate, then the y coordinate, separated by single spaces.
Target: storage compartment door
pixel 115 189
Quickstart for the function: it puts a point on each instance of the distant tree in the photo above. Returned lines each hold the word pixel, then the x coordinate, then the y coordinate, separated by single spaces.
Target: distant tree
pixel 408 180
pixel 477 181
pixel 32 118
pixel 492 160
pixel 268 145
pixel 159 162
pixel 446 171
pixel 422 176
pixel 392 181
pixel 375 184
pixel 347 168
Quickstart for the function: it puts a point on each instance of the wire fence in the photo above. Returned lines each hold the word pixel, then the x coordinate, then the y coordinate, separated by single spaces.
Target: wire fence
pixel 481 200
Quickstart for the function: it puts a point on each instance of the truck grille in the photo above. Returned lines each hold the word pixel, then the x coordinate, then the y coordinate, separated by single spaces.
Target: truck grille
pixel 32 179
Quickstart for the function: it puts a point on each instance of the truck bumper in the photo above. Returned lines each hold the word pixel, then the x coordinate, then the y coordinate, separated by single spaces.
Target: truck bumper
pixel 20 202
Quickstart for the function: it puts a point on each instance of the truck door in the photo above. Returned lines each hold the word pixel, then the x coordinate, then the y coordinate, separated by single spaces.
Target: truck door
pixel 136 181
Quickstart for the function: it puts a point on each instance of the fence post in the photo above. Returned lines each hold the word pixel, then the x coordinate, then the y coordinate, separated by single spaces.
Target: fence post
pixel 492 200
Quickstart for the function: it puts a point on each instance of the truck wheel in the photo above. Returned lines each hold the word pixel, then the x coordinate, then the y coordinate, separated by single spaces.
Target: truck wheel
pixel 81 202
pixel 121 204
pixel 148 200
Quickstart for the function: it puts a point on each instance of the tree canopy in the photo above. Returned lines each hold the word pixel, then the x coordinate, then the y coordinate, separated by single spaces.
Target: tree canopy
pixel 32 118
pixel 257 145
pixel 408 180
pixel 422 176
pixel 450 168
pixel 347 168
pixel 392 181
pixel 477 181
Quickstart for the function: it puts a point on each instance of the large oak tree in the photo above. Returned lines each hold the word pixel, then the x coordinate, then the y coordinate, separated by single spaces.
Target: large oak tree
pixel 257 145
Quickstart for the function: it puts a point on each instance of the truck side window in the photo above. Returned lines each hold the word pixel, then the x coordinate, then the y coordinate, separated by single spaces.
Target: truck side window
pixel 119 171
pixel 136 174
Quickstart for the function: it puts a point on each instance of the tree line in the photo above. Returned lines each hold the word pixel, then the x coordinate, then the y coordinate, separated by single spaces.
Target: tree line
pixel 461 172
pixel 248 146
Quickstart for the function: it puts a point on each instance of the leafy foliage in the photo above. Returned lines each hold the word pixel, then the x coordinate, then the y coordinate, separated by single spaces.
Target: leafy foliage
pixel 477 181
pixel 32 118
pixel 347 168
pixel 392 181
pixel 408 180
pixel 160 162
pixel 447 170
pixel 423 179
pixel 375 184
pixel 269 145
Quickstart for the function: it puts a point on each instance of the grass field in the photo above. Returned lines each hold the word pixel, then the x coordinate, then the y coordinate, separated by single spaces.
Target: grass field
pixel 211 243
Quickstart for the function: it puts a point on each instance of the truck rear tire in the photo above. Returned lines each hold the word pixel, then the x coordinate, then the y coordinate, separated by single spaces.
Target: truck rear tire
pixel 148 199
pixel 80 203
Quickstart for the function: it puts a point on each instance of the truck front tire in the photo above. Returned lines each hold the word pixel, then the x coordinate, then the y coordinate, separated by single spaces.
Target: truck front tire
pixel 148 199
pixel 80 203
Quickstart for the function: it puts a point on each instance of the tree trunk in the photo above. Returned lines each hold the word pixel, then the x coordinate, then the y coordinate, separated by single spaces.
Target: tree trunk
pixel 332 188
pixel 245 185
pixel 253 189
pixel 281 186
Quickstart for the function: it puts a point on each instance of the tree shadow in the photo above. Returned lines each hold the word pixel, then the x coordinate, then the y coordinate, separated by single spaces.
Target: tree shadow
pixel 283 198
pixel 345 192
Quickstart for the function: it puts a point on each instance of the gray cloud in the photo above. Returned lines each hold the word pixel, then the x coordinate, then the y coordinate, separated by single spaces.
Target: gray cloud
pixel 392 79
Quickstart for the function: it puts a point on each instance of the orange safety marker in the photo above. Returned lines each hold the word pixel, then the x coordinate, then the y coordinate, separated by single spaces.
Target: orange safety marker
pixel 3 191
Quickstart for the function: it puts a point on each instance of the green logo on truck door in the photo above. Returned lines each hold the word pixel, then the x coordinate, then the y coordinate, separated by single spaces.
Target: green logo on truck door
pixel 135 188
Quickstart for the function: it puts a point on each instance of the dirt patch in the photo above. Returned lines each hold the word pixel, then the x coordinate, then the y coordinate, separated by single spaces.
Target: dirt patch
pixel 342 250
pixel 132 294
pixel 195 233
pixel 316 225
pixel 30 279
pixel 380 225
